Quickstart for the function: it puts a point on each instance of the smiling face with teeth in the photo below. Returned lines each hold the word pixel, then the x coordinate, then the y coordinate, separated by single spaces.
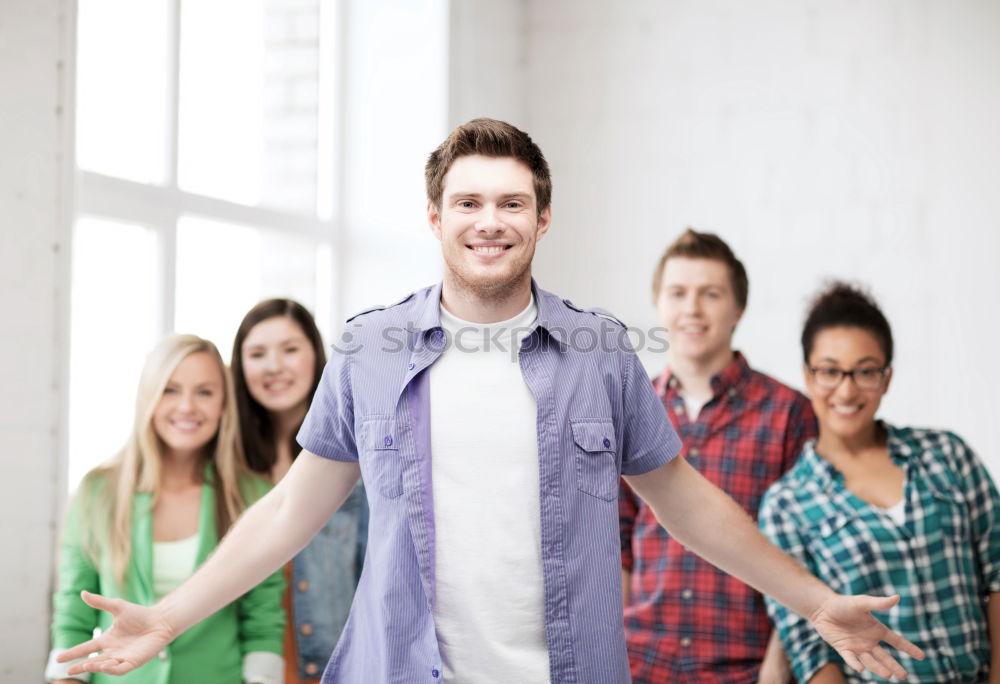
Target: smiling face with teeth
pixel 278 365
pixel 488 224
pixel 187 415
pixel 846 413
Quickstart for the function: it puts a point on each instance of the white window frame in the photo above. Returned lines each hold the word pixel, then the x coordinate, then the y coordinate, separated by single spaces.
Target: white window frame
pixel 160 206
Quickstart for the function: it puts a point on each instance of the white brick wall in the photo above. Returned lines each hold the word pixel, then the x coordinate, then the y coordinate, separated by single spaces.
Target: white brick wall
pixel 35 55
pixel 852 139
pixel 395 113
pixel 291 65
pixel 487 58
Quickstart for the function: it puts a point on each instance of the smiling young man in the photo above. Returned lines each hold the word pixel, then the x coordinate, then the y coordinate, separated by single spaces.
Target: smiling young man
pixel 492 477
pixel 686 620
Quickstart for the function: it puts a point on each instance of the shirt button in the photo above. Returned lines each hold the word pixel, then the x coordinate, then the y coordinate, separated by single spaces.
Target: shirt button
pixel 162 655
pixel 435 674
pixel 410 366
pixel 732 391
pixel 306 629
pixel 685 642
pixel 303 585
pixel 388 440
pixel 607 443
pixel 311 668
pixel 687 594
pixel 694 452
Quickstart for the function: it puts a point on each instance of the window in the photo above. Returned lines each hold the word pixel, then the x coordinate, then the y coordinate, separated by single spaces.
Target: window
pixel 206 164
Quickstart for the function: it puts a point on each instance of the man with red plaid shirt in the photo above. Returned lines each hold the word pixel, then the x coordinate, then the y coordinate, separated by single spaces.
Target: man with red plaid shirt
pixel 685 620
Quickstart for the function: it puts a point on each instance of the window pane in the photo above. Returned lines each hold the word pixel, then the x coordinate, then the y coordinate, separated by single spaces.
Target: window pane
pixel 248 112
pixel 114 322
pixel 121 88
pixel 223 269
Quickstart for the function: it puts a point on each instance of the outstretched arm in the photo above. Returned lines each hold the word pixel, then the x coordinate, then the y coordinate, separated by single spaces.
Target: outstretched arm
pixel 267 535
pixel 707 521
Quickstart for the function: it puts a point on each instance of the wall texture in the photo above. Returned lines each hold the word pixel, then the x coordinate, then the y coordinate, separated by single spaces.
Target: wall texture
pixel 849 139
pixel 35 68
pixel 395 90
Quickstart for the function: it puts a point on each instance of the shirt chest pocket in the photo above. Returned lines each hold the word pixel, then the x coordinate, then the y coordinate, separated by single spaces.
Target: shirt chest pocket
pixel 596 463
pixel 380 448
pixel 840 546
pixel 945 510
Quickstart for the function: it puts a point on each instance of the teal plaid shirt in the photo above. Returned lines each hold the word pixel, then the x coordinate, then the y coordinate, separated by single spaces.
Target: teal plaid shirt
pixel 943 562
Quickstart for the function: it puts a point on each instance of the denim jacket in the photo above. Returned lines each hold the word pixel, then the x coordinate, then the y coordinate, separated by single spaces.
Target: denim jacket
pixel 325 575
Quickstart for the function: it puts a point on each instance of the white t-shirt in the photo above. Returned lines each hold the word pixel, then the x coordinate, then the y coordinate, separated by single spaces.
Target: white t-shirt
pixel 489 609
pixel 693 406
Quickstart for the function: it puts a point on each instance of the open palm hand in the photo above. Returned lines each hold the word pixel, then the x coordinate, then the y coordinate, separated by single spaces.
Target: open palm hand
pixel 847 624
pixel 136 635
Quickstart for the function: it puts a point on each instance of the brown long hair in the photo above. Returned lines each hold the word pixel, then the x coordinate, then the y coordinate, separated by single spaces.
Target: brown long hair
pixel 256 427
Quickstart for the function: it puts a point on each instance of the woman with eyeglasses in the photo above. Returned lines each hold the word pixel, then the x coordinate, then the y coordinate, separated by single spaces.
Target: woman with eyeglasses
pixel 872 508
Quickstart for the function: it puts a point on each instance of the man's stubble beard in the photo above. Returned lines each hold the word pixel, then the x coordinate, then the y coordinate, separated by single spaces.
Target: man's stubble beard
pixel 499 289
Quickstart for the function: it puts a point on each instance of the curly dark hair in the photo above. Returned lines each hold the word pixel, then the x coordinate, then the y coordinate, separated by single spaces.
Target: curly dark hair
pixel 841 304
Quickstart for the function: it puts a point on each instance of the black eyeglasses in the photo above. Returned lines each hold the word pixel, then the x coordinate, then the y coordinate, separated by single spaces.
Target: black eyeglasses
pixel 829 377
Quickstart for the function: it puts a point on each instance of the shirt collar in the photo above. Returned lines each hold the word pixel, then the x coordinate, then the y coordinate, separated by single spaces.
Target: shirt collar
pixel 729 379
pixel 429 311
pixel 812 466
pixel 552 313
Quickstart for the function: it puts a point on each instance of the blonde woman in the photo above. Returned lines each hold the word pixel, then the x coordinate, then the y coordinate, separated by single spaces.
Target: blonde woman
pixel 141 524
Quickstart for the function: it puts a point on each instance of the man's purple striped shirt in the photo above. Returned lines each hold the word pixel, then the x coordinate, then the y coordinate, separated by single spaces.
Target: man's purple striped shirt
pixel 598 418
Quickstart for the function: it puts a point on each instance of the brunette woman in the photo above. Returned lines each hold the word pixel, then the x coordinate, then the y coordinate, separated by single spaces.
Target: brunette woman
pixel 872 508
pixel 277 363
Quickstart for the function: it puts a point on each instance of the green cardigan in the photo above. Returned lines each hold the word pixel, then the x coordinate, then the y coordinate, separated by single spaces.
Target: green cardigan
pixel 213 649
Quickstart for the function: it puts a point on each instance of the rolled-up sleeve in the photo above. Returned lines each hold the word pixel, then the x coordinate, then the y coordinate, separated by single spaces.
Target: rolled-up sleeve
pixel 328 428
pixel 648 439
pixel 984 510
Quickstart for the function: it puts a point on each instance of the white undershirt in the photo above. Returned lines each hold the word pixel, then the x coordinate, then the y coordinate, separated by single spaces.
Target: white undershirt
pixel 489 611
pixel 896 512
pixel 173 562
pixel 693 406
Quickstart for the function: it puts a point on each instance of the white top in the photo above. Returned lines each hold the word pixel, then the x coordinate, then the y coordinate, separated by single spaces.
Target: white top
pixel 489 609
pixel 896 512
pixel 693 406
pixel 173 562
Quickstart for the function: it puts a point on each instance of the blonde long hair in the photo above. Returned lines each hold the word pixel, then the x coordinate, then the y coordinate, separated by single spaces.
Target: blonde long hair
pixel 138 466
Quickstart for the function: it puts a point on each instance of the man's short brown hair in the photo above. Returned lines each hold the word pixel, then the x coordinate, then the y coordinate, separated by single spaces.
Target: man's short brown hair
pixel 694 245
pixel 490 138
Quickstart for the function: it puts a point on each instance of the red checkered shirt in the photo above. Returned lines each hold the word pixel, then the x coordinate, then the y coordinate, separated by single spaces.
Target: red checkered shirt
pixel 687 621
